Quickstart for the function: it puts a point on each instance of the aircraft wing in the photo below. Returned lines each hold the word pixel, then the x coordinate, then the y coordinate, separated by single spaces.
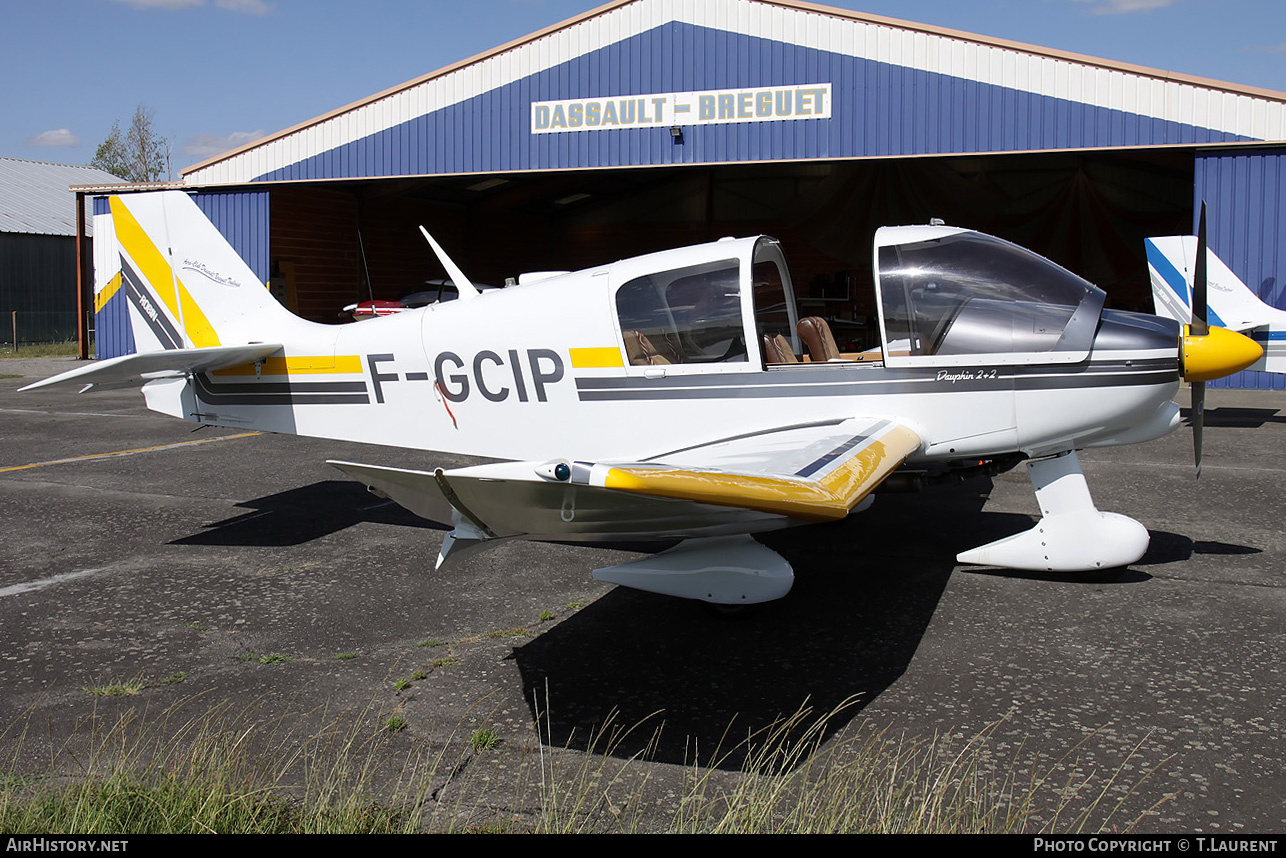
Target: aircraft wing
pixel 816 472
pixel 138 368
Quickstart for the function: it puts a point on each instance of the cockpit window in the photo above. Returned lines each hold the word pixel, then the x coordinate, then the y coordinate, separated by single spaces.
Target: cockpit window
pixel 685 315
pixel 970 293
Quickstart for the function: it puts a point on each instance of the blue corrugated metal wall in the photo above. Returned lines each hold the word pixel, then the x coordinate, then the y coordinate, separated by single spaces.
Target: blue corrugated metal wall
pixel 880 109
pixel 242 218
pixel 1245 195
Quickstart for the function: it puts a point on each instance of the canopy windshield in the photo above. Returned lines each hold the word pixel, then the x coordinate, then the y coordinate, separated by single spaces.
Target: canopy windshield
pixel 972 294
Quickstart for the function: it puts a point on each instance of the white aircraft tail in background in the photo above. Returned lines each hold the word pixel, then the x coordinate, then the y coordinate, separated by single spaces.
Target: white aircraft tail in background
pixel 1171 265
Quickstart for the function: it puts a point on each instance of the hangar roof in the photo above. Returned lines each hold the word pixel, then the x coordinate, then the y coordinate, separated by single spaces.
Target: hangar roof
pixel 35 196
pixel 664 82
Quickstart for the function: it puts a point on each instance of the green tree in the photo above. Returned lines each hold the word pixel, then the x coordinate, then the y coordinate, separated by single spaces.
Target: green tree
pixel 138 154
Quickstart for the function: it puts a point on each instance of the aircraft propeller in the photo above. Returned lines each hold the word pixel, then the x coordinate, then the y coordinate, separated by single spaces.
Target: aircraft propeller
pixel 1200 327
pixel 1207 352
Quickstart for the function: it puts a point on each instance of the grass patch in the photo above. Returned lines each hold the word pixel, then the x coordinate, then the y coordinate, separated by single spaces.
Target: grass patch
pixel 133 686
pixel 445 661
pixel 546 616
pixel 484 739
pixel 265 658
pixel 345 656
pixel 431 642
pixel 235 772
pixel 40 350
pixel 125 688
pixel 220 772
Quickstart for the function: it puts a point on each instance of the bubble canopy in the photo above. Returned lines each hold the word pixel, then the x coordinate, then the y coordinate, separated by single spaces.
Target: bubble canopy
pixel 951 296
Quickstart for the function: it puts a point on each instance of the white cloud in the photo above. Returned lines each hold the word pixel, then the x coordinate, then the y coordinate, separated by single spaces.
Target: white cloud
pixel 56 137
pixel 161 4
pixel 208 145
pixel 1265 49
pixel 247 7
pixel 1124 7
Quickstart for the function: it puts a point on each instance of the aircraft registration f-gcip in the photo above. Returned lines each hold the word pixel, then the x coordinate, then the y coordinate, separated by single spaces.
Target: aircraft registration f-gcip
pixel 677 395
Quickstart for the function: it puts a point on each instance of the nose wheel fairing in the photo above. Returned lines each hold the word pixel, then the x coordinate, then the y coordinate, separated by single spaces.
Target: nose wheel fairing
pixel 1072 534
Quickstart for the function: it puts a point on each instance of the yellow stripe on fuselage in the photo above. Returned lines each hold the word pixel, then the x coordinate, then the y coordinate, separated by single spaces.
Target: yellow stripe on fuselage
pixel 101 299
pixel 320 364
pixel 158 273
pixel 596 358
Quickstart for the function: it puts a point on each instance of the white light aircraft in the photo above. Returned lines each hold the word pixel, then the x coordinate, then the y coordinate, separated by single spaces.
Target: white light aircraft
pixel 678 395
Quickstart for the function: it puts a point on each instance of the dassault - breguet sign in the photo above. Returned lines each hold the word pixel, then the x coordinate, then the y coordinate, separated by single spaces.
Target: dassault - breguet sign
pixel 703 107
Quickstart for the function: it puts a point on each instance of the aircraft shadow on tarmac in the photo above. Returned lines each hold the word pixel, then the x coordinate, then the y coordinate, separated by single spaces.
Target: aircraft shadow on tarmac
pixel 636 673
pixel 1175 548
pixel 1238 418
pixel 301 515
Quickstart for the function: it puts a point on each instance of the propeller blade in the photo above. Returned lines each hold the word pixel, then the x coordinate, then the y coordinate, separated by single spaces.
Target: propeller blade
pixel 1198 419
pixel 1200 326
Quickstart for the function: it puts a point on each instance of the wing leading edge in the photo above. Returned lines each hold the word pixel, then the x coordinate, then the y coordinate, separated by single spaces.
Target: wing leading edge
pixel 815 473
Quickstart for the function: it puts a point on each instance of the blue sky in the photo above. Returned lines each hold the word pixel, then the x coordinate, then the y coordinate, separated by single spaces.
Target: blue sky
pixel 217 73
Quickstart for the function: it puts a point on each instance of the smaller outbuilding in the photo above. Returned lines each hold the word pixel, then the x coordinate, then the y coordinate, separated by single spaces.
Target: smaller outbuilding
pixel 38 258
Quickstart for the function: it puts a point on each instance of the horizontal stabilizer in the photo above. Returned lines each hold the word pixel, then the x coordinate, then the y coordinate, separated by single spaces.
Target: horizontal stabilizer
pixel 140 368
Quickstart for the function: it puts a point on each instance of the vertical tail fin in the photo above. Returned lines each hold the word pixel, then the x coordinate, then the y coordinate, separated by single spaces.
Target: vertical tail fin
pixel 1231 304
pixel 1171 266
pixel 186 286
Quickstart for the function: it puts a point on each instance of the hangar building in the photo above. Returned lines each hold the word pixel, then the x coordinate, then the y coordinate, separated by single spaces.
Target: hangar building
pixel 38 249
pixel 647 124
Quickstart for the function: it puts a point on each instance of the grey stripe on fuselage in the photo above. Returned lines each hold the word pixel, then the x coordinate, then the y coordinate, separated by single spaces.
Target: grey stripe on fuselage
pixel 867 380
pixel 282 392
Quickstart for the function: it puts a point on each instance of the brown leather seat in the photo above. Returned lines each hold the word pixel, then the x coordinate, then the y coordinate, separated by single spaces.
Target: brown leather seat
pixel 777 350
pixel 817 337
pixel 641 352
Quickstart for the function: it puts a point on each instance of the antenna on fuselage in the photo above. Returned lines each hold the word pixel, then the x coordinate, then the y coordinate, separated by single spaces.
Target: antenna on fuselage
pixel 466 289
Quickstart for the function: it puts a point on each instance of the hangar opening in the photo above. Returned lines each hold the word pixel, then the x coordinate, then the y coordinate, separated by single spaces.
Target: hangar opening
pixel 341 243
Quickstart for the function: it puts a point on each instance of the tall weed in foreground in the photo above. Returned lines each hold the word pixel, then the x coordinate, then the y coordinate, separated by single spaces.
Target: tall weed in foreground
pixel 228 772
pixel 220 772
pixel 791 781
